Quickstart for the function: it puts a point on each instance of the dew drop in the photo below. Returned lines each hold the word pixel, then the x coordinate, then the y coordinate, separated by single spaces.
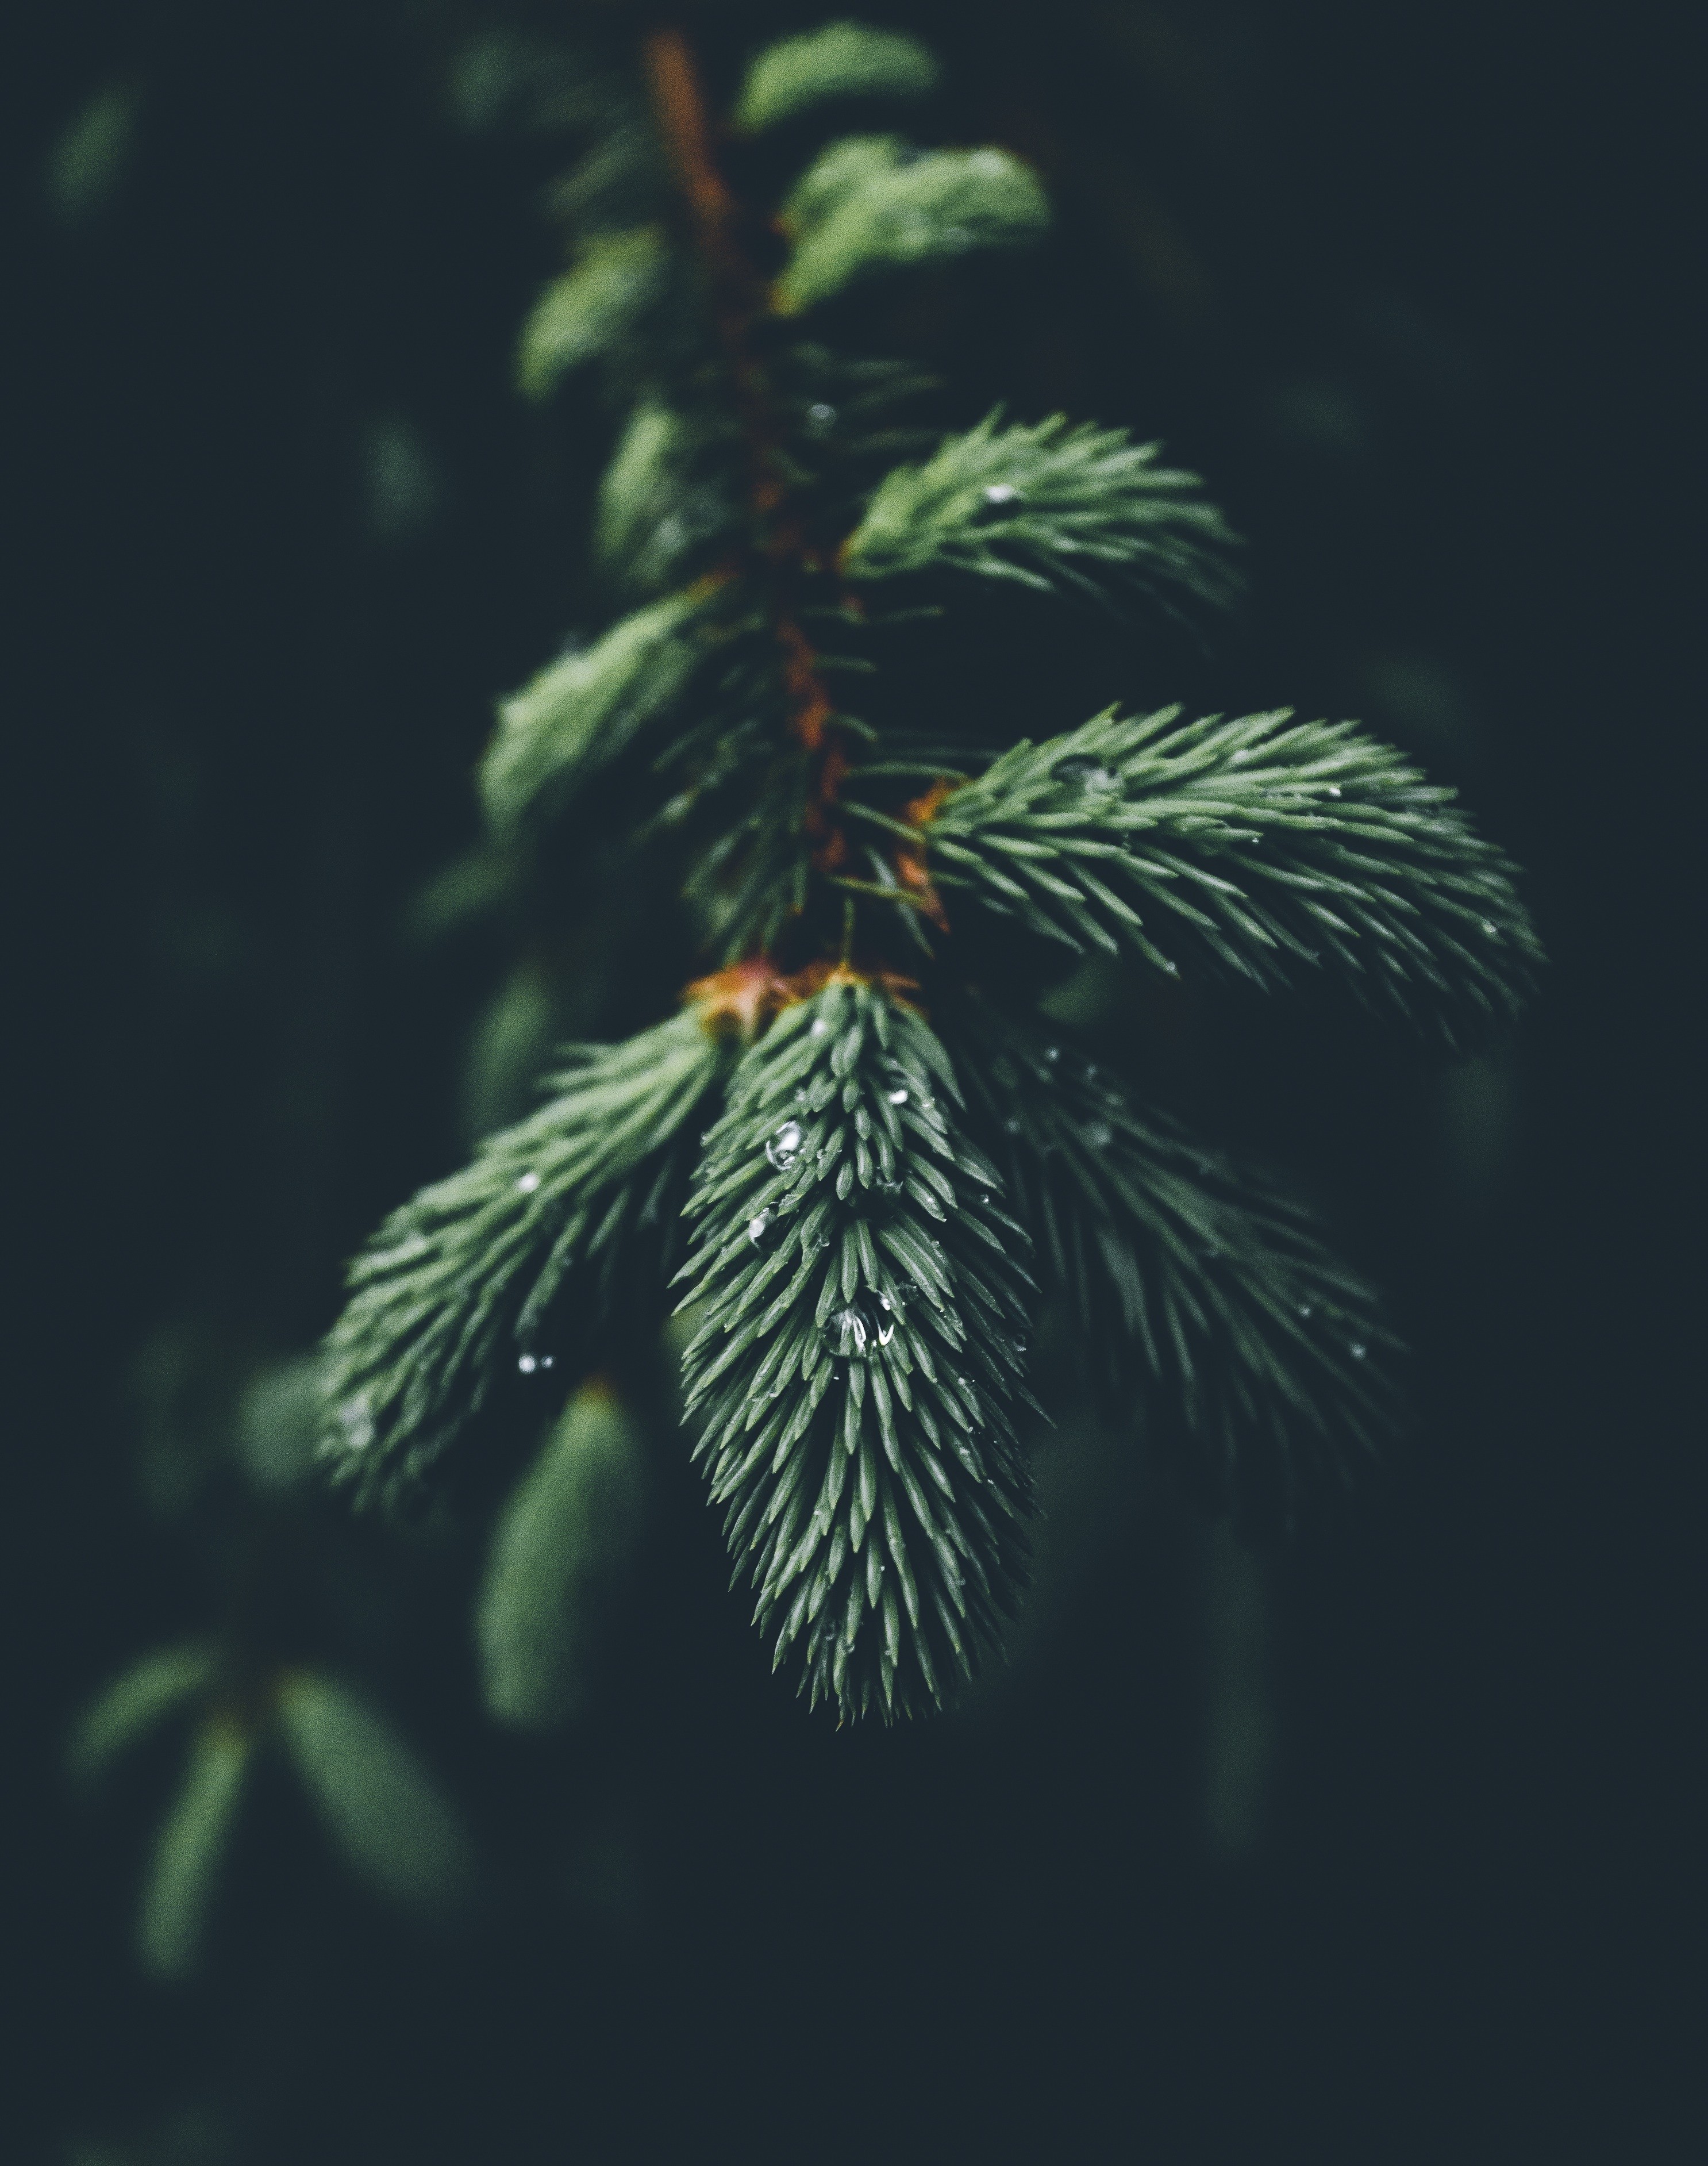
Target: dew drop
pixel 1491 929
pixel 756 1225
pixel 528 1183
pixel 819 417
pixel 820 1028
pixel 1052 1053
pixel 357 1423
pixel 1002 492
pixel 1097 1133
pixel 784 1147
pixel 1085 772
pixel 1011 1126
pixel 899 1096
pixel 1306 1308
pixel 527 1364
pixel 1356 1350
pixel 850 1330
pixel 1334 789
pixel 885 1332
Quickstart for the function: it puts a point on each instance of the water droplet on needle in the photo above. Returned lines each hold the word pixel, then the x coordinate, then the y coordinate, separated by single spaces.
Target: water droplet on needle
pixel 784 1147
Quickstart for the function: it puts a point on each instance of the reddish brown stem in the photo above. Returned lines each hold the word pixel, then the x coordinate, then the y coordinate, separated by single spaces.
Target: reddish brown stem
pixel 782 558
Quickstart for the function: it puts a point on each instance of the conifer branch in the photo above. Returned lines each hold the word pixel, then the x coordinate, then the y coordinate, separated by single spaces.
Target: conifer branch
pixel 516 1258
pixel 1260 844
pixel 1203 1294
pixel 561 1542
pixel 582 712
pixel 592 307
pixel 863 1303
pixel 840 60
pixel 858 1358
pixel 1050 505
pixel 871 202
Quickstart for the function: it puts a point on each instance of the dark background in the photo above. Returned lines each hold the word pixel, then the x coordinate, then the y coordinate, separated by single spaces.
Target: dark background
pixel 1408 285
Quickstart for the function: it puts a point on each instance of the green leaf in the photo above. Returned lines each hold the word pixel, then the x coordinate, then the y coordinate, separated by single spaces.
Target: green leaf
pixel 516 1258
pixel 864 1314
pixel 1262 846
pixel 1205 1293
pixel 582 712
pixel 150 1690
pixel 384 1813
pixel 592 306
pixel 841 60
pixel 564 1540
pixel 868 204
pixel 1048 505
pixel 190 1852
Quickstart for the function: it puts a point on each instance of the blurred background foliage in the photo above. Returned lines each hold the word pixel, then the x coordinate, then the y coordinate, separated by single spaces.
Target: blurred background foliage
pixel 1348 1848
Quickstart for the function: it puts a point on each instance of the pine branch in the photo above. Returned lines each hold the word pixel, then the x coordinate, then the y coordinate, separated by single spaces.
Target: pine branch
pixel 1201 1290
pixel 1050 505
pixel 857 1363
pixel 871 204
pixel 1262 844
pixel 163 1684
pixel 591 308
pixel 582 712
pixel 658 505
pixel 190 1849
pixel 853 1377
pixel 381 1808
pixel 460 1284
pixel 839 61
pixel 564 1535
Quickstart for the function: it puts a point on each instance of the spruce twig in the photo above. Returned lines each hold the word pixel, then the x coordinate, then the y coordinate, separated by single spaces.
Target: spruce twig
pixel 871 1185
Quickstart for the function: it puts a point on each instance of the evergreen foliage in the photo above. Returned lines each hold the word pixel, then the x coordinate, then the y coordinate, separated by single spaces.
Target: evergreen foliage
pixel 153 1690
pixel 380 1807
pixel 1256 845
pixel 1051 506
pixel 842 60
pixel 591 307
pixel 883 1153
pixel 190 1847
pixel 864 1305
pixel 1203 1293
pixel 580 713
pixel 559 1552
pixel 382 1810
pixel 466 1277
pixel 873 202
